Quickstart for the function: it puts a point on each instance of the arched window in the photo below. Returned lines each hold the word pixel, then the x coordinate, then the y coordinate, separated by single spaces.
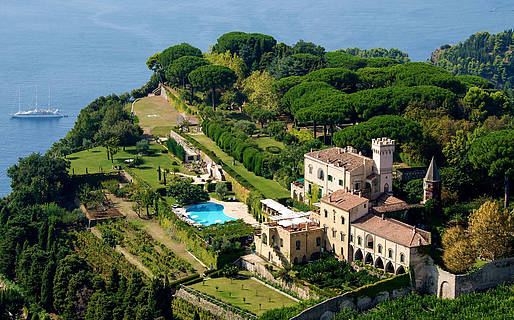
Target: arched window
pixel 298 245
pixel 296 260
pixel 264 238
pixel 310 169
pixel 272 240
pixel 321 174
pixel 402 257
pixel 318 241
pixel 281 242
pixel 390 253
pixel 342 220
pixel 386 187
pixel 326 213
pixel 379 248
pixel 359 240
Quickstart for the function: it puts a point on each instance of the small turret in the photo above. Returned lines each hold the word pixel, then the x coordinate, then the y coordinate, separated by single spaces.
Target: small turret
pixel 432 183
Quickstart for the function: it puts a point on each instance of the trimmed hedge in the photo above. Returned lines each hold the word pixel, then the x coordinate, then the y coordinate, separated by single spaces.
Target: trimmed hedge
pixel 251 157
pixel 185 280
pixel 176 148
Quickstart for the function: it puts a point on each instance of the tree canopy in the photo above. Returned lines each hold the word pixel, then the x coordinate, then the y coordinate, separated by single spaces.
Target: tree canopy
pixel 494 153
pixel 179 70
pixel 403 131
pixel 212 77
pixel 249 46
pixel 172 53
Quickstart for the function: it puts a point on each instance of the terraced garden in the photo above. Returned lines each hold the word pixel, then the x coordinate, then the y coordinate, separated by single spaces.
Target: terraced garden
pixel 152 254
pixel 244 292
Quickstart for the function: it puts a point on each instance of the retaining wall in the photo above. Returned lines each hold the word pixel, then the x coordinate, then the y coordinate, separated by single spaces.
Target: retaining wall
pixel 431 279
pixel 302 292
pixel 209 306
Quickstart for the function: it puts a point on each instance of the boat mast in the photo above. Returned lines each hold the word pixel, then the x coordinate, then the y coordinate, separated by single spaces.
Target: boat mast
pixel 19 100
pixel 48 97
pixel 36 97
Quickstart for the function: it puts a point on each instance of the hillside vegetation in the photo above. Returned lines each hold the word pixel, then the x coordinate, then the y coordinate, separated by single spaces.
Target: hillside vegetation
pixel 482 54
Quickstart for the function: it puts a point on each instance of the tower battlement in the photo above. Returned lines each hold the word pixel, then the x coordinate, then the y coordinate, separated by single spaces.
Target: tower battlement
pixel 382 142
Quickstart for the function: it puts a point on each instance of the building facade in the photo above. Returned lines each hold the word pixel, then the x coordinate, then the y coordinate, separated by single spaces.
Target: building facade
pixel 344 184
pixel 328 170
pixel 287 244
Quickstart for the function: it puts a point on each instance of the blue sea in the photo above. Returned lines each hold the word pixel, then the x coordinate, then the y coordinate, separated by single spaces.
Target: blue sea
pixel 82 49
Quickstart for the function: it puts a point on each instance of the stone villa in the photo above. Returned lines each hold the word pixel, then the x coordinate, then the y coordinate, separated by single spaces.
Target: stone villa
pixel 352 193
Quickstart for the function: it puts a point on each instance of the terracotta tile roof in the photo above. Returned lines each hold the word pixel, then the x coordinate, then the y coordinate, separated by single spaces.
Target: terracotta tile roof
pixel 387 203
pixel 339 157
pixel 393 230
pixel 343 200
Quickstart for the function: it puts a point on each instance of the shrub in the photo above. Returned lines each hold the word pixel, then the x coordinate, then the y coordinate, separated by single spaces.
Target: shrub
pixel 273 149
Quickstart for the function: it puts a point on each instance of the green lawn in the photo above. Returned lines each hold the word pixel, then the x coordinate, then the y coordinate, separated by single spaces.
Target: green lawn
pixel 95 160
pixel 156 115
pixel 264 142
pixel 259 298
pixel 269 188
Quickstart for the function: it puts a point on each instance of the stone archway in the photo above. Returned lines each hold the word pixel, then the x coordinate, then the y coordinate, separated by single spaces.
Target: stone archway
pixel 369 259
pixel 295 197
pixel 400 270
pixel 304 259
pixel 358 255
pixel 389 268
pixel 444 290
pixel 379 264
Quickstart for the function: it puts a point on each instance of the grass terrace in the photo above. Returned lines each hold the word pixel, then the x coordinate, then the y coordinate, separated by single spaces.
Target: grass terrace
pixel 267 187
pixel 265 142
pixel 258 297
pixel 95 160
pixel 156 115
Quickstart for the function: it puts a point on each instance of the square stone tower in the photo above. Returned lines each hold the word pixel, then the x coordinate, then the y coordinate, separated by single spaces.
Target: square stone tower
pixel 383 150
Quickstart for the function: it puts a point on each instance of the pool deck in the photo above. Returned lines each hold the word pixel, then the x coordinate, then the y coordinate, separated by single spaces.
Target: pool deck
pixel 236 210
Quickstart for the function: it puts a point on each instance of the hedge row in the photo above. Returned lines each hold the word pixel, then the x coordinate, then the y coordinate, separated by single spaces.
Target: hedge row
pixel 251 157
pixel 176 148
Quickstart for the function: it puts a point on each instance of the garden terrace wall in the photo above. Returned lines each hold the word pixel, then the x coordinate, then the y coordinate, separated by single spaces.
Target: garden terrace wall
pixel 430 278
pixel 219 308
pixel 301 292
pixel 361 299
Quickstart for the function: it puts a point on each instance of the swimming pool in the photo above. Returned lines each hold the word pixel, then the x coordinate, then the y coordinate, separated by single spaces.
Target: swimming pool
pixel 208 213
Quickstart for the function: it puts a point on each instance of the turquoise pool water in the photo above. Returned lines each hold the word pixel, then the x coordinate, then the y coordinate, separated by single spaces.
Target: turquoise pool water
pixel 208 213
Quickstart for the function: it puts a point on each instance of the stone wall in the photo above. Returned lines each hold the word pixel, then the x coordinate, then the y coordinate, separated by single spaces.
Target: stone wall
pixel 302 292
pixel 209 306
pixel 328 308
pixel 431 279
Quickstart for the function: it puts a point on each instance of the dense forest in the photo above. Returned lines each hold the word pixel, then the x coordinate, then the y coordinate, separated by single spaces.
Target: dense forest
pixel 482 54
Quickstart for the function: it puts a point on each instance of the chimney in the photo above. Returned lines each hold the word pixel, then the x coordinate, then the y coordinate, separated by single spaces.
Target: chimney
pixel 360 194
